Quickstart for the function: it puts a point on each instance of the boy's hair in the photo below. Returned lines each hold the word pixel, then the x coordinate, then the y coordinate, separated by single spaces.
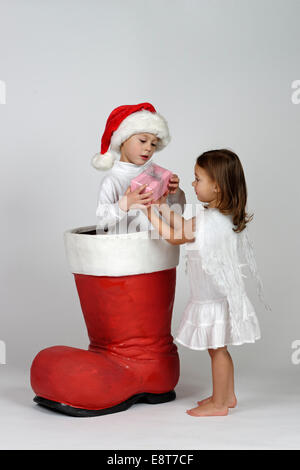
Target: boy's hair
pixel 224 168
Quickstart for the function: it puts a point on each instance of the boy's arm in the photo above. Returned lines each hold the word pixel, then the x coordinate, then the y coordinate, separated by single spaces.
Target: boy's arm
pixel 108 211
pixel 183 233
pixel 177 198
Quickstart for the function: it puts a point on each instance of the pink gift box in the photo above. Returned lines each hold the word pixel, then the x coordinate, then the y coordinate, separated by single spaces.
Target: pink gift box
pixel 156 178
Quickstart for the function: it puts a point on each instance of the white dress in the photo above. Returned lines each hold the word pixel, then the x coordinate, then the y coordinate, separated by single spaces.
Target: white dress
pixel 219 312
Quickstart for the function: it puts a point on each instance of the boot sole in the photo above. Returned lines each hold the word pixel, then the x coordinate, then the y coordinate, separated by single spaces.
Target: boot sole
pixel 150 398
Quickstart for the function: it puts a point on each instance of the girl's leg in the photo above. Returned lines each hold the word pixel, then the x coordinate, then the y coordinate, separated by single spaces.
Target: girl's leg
pixel 231 398
pixel 221 372
pixel 222 375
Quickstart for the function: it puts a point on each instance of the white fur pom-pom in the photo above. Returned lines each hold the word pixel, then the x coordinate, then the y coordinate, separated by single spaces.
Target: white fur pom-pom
pixel 103 162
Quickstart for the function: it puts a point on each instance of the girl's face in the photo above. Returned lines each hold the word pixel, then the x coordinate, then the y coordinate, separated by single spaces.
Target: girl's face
pixel 205 188
pixel 139 148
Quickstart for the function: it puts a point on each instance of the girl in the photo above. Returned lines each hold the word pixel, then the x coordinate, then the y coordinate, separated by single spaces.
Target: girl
pixel 135 132
pixel 219 312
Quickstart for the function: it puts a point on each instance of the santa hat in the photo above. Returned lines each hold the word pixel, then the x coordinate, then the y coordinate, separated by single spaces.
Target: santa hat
pixel 122 123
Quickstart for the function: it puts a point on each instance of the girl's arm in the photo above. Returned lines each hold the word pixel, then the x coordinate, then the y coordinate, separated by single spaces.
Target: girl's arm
pixel 182 233
pixel 172 218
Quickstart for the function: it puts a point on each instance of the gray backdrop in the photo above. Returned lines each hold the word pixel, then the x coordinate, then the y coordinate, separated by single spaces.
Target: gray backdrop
pixel 220 71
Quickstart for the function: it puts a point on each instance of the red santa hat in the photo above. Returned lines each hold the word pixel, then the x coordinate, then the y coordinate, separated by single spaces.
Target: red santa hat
pixel 122 123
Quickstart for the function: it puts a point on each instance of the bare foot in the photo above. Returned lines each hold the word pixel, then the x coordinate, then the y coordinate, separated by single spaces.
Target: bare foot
pixel 208 409
pixel 231 403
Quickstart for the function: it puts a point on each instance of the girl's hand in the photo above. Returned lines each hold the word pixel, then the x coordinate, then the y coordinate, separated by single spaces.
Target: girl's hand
pixel 135 200
pixel 173 184
pixel 158 202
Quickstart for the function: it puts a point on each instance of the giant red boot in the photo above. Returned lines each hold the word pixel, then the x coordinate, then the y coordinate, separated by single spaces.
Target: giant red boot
pixel 126 286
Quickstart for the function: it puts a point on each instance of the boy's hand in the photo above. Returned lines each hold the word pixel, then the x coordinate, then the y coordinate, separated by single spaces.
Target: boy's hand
pixel 173 184
pixel 135 200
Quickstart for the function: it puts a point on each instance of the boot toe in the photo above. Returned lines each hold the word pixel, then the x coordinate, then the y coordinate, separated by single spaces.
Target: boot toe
pixel 80 378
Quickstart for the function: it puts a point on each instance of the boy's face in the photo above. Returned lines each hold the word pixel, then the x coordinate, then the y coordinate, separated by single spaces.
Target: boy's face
pixel 205 189
pixel 139 148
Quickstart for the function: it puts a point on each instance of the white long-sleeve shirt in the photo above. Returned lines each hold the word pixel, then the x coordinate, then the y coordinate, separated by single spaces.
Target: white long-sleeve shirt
pixel 112 219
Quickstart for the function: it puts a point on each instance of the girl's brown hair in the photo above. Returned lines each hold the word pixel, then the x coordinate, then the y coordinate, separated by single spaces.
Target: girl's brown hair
pixel 224 168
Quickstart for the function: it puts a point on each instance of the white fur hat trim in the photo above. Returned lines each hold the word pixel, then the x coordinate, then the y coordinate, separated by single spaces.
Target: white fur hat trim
pixel 103 162
pixel 139 122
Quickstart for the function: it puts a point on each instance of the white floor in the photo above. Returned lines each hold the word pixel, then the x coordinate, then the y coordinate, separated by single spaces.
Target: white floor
pixel 267 417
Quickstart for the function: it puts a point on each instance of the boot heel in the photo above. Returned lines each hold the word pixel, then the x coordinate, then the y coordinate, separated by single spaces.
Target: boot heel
pixel 156 398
